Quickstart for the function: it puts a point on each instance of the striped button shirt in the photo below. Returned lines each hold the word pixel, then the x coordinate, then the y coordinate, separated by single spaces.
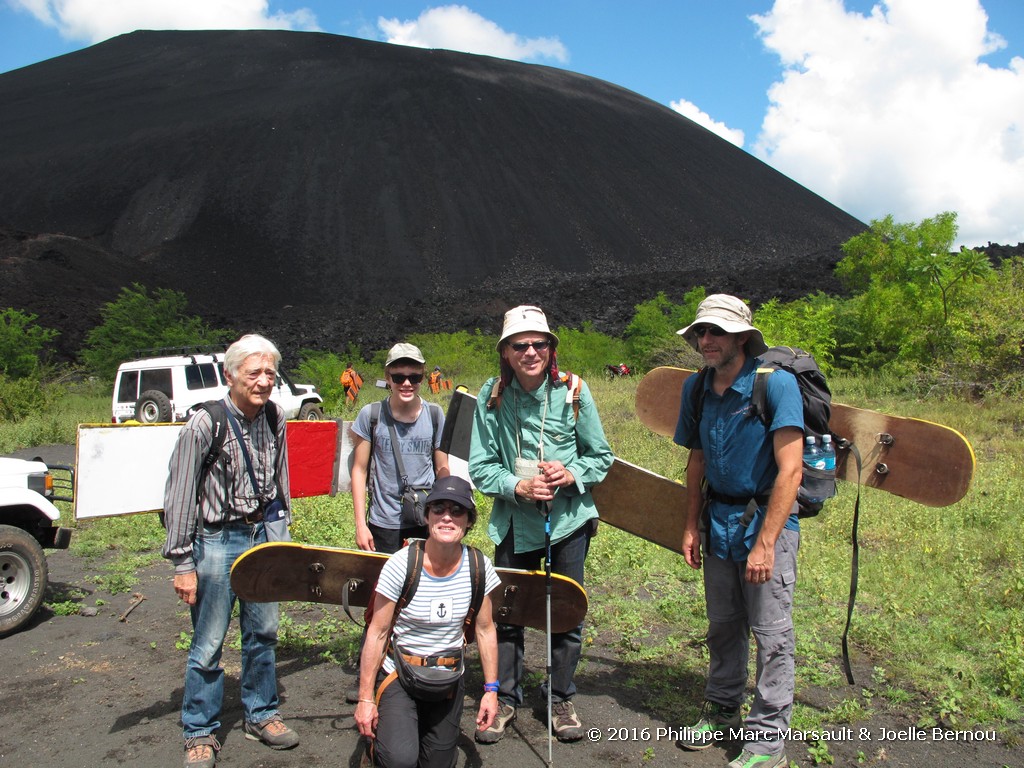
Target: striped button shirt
pixel 227 493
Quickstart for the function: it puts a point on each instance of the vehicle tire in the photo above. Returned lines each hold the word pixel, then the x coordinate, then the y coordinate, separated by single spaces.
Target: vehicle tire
pixel 310 412
pixel 23 576
pixel 154 407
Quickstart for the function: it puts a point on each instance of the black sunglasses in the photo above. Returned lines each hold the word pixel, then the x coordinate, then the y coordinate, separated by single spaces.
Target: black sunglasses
pixel 714 330
pixel 401 378
pixel 522 346
pixel 453 509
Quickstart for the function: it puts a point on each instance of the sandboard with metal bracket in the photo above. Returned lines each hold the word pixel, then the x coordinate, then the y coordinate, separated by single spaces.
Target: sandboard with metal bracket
pixel 284 571
pixel 916 459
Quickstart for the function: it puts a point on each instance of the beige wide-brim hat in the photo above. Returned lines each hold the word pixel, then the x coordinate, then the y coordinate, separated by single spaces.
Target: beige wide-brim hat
pixel 525 319
pixel 731 315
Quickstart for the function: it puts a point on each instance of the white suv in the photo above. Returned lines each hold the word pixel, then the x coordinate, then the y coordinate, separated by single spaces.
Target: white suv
pixel 167 389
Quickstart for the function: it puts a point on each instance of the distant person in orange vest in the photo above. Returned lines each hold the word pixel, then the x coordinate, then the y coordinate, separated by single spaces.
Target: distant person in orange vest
pixel 351 381
pixel 435 380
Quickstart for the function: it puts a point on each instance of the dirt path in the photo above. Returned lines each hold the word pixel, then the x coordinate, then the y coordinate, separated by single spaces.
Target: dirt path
pixel 97 690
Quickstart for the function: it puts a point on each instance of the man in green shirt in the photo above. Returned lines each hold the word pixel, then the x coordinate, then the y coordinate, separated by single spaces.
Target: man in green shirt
pixel 537 444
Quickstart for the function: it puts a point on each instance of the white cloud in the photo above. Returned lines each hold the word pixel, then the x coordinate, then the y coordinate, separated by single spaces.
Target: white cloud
pixel 895 112
pixel 96 20
pixel 703 119
pixel 457 28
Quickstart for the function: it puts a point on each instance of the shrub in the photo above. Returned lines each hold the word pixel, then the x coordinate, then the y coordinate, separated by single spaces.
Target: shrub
pixel 21 342
pixel 20 398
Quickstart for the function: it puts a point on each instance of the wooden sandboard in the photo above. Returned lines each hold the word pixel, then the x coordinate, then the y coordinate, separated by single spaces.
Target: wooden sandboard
pixel 283 571
pixel 916 459
pixel 630 497
pixel 642 503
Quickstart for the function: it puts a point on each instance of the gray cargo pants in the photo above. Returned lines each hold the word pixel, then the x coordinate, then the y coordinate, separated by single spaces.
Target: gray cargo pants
pixel 735 608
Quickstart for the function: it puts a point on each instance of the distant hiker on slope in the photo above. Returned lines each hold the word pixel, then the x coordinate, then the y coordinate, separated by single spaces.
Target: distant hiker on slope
pixel 351 382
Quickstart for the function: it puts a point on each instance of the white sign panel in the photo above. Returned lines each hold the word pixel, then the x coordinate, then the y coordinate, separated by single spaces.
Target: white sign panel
pixel 122 469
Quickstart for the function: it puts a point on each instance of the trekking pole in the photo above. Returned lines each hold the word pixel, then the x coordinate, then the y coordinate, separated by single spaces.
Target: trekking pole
pixel 547 587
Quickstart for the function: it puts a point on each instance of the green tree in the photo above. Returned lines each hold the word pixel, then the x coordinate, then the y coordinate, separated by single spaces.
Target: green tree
pixel 21 342
pixel 651 333
pixel 138 320
pixel 990 349
pixel 808 323
pixel 912 293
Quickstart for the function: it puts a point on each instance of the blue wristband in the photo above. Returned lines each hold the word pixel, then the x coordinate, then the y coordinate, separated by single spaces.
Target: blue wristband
pixel 491 687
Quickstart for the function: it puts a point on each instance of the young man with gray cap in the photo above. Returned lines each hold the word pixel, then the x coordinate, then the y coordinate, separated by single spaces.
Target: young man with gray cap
pixel 749 570
pixel 538 447
pixel 418 430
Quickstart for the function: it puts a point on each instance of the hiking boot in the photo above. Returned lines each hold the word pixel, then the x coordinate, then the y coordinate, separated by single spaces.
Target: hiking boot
pixel 201 751
pixel 564 722
pixel 713 726
pixel 272 732
pixel 748 759
pixel 492 735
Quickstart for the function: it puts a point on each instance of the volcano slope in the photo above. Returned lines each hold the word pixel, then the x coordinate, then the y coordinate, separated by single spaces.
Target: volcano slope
pixel 329 190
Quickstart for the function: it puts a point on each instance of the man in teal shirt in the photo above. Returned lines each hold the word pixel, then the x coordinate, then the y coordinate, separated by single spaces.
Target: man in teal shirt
pixel 537 443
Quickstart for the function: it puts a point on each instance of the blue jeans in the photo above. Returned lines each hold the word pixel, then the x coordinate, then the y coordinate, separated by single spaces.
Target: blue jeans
pixel 567 559
pixel 215 550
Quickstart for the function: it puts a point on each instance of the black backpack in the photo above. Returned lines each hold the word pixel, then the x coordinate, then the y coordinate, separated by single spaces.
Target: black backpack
pixel 817 402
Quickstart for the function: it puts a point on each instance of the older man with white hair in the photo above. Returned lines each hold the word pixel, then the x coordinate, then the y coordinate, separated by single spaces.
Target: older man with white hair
pixel 214 512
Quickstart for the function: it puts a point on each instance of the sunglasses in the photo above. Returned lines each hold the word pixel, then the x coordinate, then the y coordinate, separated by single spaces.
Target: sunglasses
pixel 453 510
pixel 714 330
pixel 401 378
pixel 522 346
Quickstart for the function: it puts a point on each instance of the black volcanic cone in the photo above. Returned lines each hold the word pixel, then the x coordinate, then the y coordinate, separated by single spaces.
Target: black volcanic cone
pixel 327 189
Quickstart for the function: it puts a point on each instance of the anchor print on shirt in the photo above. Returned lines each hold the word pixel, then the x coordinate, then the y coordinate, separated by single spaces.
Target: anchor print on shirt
pixel 441 610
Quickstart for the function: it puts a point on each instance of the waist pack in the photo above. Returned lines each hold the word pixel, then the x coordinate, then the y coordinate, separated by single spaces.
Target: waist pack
pixel 414 512
pixel 431 678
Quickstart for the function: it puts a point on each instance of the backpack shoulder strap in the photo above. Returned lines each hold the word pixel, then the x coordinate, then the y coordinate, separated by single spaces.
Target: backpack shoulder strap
pixel 435 420
pixel 219 428
pixel 413 569
pixel 270 409
pixel 494 400
pixel 573 384
pixel 759 395
pixel 697 397
pixel 374 418
pixel 476 576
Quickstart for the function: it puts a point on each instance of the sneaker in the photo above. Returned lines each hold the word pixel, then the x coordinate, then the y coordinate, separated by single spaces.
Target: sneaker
pixel 713 726
pixel 201 751
pixel 564 722
pixel 502 720
pixel 748 759
pixel 352 696
pixel 272 732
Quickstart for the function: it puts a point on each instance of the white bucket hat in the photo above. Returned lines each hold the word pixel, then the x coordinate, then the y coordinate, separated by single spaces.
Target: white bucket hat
pixel 523 319
pixel 731 315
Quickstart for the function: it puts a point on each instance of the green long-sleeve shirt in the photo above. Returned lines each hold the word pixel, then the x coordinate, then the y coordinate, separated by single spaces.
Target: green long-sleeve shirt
pixel 579 443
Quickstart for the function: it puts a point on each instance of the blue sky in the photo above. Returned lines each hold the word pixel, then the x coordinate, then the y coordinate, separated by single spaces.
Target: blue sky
pixel 902 107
